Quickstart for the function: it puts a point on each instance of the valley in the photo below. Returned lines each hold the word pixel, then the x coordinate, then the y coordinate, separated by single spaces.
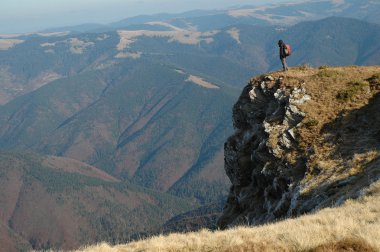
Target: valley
pixel 114 132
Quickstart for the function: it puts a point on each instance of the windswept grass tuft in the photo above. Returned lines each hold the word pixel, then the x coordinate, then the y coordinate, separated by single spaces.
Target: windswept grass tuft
pixel 311 123
pixel 323 67
pixel 304 67
pixel 326 73
pixel 353 245
pixel 355 87
pixel 374 81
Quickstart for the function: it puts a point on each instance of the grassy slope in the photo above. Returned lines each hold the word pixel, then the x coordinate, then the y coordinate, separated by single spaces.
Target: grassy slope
pixel 356 222
pixel 340 133
pixel 342 128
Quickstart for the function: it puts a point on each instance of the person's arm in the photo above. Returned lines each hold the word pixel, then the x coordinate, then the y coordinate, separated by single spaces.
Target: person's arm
pixel 282 51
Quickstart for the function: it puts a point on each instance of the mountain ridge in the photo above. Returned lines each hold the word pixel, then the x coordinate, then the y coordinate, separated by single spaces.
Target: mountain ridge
pixel 94 114
pixel 149 105
pixel 283 14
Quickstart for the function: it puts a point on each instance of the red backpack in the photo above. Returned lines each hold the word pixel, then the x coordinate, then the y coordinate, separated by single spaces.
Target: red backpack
pixel 288 50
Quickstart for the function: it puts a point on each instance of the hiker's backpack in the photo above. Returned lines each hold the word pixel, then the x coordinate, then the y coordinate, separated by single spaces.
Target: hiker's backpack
pixel 288 50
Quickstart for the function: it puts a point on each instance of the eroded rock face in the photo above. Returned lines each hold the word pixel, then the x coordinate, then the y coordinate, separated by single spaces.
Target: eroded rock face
pixel 265 117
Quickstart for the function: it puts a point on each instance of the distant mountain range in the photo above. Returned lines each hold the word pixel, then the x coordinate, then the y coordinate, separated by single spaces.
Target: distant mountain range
pixel 283 14
pixel 148 100
pixel 154 106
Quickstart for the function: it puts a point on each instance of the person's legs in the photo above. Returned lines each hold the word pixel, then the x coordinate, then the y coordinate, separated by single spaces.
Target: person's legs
pixel 284 65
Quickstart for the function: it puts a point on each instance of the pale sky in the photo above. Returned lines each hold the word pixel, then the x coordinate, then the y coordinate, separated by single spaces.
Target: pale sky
pixel 33 15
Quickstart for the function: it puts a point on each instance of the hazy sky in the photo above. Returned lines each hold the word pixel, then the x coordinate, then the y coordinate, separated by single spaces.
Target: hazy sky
pixel 33 15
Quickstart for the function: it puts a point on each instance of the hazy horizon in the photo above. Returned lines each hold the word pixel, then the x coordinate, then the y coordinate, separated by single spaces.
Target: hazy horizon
pixel 30 16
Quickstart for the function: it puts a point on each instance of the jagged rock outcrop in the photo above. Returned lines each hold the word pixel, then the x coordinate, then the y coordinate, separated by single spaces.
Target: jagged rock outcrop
pixel 281 164
pixel 264 117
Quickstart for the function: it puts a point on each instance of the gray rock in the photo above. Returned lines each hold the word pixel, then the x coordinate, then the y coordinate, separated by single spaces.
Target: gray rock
pixel 262 188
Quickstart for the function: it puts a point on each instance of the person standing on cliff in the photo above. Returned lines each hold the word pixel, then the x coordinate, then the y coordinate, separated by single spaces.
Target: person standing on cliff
pixel 283 54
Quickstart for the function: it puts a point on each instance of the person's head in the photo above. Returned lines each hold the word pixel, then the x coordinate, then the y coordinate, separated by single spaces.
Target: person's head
pixel 280 42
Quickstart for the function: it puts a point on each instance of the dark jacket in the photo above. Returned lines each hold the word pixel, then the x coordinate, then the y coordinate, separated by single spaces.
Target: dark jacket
pixel 281 44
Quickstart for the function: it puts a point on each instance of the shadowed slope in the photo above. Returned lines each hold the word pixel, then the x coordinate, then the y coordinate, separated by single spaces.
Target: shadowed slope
pixel 140 121
pixel 52 202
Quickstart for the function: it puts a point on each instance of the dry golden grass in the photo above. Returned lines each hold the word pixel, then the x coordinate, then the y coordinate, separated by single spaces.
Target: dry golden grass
pixel 201 82
pixel 324 85
pixel 77 46
pixel 5 44
pixel 345 245
pixel 340 97
pixel 188 37
pixel 355 226
pixel 235 34
pixel 125 55
pixel 271 18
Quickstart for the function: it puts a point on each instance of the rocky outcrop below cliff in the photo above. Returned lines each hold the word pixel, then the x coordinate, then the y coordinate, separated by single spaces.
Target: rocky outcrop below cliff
pixel 289 153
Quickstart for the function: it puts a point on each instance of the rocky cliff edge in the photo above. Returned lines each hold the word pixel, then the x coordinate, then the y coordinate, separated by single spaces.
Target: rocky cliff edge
pixel 304 139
